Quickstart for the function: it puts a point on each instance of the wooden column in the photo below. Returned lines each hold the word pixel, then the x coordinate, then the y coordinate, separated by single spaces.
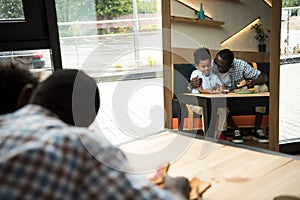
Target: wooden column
pixel 166 38
pixel 274 75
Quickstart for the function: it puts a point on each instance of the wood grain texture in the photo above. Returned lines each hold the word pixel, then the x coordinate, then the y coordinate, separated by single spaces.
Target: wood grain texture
pixel 196 21
pixel 234 172
pixel 185 55
pixel 275 75
pixel 167 61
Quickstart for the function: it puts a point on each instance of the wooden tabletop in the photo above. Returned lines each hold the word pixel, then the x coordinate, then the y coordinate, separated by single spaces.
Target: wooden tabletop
pixel 234 172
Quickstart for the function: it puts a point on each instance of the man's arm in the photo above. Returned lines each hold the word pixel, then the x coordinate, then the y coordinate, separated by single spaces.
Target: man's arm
pixel 261 79
pixel 250 73
pixel 107 167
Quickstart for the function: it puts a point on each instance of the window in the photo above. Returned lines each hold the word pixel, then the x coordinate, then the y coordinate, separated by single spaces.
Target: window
pixel 119 44
pixel 33 32
pixel 105 40
pixel 289 72
pixel 31 59
pixel 111 41
pixel 11 10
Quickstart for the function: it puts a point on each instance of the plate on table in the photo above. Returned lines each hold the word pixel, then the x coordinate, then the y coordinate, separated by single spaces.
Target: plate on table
pixel 249 91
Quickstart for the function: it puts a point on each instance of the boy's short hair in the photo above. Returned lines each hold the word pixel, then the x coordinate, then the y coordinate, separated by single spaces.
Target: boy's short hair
pixel 201 54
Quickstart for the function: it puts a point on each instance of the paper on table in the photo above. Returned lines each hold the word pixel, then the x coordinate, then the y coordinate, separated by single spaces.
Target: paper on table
pixel 158 178
pixel 198 187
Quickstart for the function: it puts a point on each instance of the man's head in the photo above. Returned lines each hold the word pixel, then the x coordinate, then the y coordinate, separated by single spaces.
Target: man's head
pixel 71 94
pixel 16 85
pixel 202 60
pixel 223 60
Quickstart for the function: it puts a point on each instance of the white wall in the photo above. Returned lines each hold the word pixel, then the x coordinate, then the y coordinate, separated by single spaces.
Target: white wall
pixel 235 13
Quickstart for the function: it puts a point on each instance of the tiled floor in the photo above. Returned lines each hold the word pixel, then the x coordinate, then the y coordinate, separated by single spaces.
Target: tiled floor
pixel 130 109
pixel 289 101
pixel 134 109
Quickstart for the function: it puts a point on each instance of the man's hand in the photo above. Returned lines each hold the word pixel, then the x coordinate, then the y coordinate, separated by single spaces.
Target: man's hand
pixel 250 83
pixel 196 82
pixel 179 186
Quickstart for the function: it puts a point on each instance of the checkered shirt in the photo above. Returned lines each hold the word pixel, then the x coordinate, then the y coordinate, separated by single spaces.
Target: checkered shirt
pixel 241 70
pixel 43 158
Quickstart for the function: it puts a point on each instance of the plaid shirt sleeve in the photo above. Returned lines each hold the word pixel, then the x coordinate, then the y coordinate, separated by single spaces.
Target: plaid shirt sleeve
pixel 120 181
pixel 242 70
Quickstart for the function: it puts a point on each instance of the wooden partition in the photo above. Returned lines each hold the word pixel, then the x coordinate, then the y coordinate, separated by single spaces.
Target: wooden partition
pixel 185 55
pixel 180 55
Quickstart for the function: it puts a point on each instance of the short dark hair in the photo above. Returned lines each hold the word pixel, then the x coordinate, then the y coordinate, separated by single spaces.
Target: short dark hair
pixel 13 78
pixel 71 94
pixel 201 54
pixel 226 54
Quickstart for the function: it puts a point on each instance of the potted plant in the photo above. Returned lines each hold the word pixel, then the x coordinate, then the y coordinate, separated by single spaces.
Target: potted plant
pixel 260 36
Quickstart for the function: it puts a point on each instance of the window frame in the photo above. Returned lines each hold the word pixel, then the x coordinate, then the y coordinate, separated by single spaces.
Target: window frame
pixel 38 31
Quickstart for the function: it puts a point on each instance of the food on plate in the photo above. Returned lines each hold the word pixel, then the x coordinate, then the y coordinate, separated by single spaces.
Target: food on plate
pixel 241 84
pixel 244 91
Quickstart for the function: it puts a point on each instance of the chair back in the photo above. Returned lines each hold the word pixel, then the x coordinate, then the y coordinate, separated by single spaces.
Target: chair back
pixel 181 74
pixel 180 79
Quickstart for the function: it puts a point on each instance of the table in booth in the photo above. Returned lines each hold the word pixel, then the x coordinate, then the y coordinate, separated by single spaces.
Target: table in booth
pixel 211 102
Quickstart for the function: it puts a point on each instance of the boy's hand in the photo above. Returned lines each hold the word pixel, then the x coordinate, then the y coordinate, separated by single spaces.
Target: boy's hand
pixel 196 82
pixel 219 87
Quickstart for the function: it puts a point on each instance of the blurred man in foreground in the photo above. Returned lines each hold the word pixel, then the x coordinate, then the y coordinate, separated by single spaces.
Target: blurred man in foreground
pixel 48 153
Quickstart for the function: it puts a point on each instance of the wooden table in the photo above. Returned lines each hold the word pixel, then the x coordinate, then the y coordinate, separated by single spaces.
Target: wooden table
pixel 211 102
pixel 234 172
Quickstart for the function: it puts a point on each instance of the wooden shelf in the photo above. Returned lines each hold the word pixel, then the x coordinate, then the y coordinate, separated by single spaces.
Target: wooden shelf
pixel 196 21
